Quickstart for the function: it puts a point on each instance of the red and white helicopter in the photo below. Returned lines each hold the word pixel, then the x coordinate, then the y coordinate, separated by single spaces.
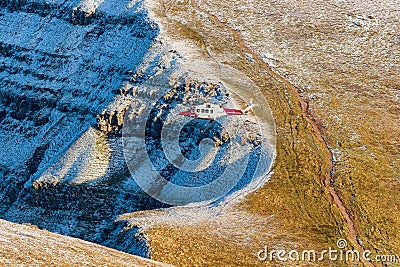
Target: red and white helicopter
pixel 212 111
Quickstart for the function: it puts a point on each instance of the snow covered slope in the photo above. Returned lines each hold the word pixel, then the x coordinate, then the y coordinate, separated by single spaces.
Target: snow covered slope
pixel 61 64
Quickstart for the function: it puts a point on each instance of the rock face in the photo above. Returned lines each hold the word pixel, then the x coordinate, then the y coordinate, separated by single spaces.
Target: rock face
pixel 61 64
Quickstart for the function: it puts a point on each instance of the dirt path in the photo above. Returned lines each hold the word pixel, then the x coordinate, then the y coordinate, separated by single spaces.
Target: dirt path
pixel 308 117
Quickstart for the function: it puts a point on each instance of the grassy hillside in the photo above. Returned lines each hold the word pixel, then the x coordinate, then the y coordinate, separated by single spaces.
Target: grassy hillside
pixel 23 245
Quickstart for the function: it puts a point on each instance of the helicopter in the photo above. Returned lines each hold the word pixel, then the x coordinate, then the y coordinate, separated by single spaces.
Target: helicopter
pixel 212 112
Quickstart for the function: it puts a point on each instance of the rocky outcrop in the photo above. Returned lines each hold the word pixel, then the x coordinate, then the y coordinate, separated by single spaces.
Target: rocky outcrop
pixel 111 120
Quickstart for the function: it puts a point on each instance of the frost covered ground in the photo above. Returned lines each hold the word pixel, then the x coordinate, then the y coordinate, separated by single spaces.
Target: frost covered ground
pixel 343 57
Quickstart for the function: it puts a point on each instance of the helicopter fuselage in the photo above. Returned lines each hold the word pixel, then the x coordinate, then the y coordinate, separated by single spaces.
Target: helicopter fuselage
pixel 211 112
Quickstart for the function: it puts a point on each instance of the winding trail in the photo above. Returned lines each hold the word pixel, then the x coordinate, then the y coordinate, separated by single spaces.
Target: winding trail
pixel 307 116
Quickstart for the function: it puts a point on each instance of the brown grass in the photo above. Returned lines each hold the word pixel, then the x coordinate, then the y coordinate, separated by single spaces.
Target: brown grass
pixel 296 197
pixel 25 245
